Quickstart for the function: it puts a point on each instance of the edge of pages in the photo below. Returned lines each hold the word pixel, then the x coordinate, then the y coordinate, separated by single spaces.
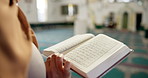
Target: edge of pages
pixel 69 43
pixel 114 65
pixel 103 67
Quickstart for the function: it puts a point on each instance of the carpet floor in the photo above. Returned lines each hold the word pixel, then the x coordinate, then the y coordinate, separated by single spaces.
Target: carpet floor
pixel 134 66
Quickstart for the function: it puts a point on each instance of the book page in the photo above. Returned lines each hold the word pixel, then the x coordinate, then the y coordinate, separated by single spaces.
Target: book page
pixel 91 51
pixel 69 43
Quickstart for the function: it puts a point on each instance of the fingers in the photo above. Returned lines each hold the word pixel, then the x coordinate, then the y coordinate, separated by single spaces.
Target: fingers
pixel 59 62
pixel 56 67
pixel 47 63
pixel 53 62
pixel 56 63
pixel 67 66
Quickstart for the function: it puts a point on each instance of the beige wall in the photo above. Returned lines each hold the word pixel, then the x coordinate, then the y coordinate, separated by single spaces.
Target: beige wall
pixel 99 11
pixel 145 17
pixel 102 11
pixel 30 10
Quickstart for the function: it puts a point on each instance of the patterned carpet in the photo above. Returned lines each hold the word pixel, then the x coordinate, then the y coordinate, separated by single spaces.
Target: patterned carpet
pixel 135 66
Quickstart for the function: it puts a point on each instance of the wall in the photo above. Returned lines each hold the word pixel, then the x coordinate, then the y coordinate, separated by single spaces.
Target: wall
pixel 145 15
pixel 54 10
pixel 103 9
pixel 98 11
pixel 30 10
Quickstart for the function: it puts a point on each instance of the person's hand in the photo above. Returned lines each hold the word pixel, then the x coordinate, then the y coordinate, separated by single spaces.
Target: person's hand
pixel 55 67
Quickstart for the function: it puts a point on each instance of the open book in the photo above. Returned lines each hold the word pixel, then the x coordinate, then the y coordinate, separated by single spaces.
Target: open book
pixel 91 56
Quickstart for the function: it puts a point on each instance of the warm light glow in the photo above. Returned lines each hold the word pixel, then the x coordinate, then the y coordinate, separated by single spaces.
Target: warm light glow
pixel 42 10
pixel 70 9
pixel 126 0
pixel 111 0
pixel 123 0
pixel 139 3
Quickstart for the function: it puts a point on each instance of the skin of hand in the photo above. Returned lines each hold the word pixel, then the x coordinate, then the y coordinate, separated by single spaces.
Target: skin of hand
pixel 56 67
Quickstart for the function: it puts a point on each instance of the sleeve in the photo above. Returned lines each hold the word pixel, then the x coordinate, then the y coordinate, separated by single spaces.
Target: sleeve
pixel 15 43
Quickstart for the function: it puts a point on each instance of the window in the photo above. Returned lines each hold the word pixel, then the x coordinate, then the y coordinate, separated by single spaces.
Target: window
pixel 123 0
pixel 69 9
pixel 111 1
pixel 42 10
pixel 119 1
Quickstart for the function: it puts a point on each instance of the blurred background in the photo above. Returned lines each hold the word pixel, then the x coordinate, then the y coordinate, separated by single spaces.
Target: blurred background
pixel 125 20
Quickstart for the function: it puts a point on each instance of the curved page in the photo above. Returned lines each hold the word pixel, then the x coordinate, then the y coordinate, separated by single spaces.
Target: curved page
pixel 69 43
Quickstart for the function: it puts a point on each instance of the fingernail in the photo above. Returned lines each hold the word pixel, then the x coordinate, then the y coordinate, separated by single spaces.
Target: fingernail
pixel 68 60
pixel 50 55
pixel 57 54
pixel 61 55
pixel 65 58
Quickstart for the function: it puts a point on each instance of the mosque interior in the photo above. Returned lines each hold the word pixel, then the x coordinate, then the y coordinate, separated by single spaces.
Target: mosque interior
pixel 125 20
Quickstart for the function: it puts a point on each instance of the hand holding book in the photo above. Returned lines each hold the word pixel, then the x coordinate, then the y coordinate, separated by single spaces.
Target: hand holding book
pixel 55 67
pixel 91 56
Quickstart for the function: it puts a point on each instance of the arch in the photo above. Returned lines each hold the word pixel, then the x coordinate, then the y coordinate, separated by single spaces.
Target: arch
pixel 128 14
pixel 125 20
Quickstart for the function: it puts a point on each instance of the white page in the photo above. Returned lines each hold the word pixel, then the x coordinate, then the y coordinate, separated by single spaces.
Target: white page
pixel 87 53
pixel 69 43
